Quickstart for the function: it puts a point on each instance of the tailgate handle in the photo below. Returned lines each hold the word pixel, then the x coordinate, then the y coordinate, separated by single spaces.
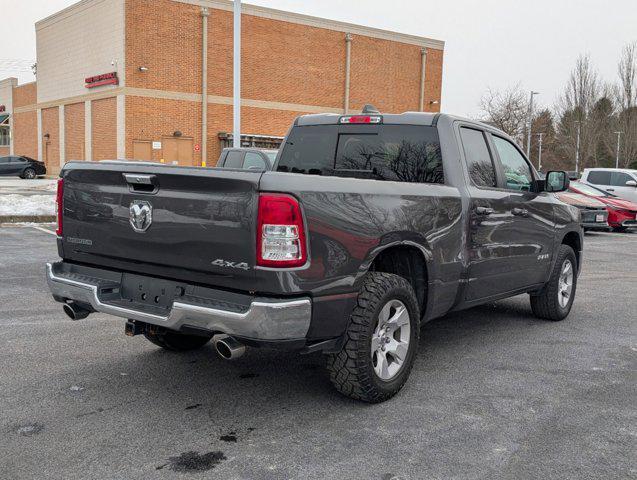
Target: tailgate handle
pixel 141 183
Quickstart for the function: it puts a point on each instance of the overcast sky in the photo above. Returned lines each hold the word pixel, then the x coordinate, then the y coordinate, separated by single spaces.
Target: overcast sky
pixel 489 43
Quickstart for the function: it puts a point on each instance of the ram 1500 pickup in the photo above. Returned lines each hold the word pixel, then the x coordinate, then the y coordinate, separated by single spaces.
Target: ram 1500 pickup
pixel 367 227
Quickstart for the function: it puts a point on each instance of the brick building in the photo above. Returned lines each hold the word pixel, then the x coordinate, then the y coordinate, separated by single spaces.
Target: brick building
pixel 126 79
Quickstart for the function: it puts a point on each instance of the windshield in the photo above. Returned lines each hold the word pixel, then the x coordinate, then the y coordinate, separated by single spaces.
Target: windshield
pixel 588 190
pixel 404 153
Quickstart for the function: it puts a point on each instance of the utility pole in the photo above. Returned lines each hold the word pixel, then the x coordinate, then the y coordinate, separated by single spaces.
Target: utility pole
pixel 236 103
pixel 539 147
pixel 530 123
pixel 619 134
pixel 579 126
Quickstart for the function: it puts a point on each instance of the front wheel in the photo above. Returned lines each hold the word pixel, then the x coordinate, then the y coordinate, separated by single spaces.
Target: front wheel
pixel 381 340
pixel 555 300
pixel 175 341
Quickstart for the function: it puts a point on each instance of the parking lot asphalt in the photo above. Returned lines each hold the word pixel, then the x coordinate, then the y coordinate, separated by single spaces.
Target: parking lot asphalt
pixel 494 393
pixel 19 186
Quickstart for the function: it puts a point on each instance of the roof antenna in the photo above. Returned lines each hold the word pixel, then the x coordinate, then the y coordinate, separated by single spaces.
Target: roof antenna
pixel 370 109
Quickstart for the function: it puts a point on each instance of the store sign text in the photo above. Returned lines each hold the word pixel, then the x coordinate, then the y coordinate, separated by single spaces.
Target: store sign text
pixel 101 80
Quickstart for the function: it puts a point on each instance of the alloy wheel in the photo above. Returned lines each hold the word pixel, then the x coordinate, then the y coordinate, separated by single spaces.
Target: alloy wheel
pixel 390 340
pixel 565 284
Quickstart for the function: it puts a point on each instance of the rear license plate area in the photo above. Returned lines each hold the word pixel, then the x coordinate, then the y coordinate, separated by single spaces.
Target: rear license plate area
pixel 599 218
pixel 150 291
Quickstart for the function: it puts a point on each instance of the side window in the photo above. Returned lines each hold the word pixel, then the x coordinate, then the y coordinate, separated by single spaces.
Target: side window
pixel 234 159
pixel 619 179
pixel 598 177
pixel 254 161
pixel 517 172
pixel 479 162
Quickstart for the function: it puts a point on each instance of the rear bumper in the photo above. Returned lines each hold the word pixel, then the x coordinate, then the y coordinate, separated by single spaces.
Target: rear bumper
pixel 595 225
pixel 253 318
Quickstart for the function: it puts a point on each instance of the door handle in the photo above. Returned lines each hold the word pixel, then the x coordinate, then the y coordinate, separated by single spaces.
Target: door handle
pixel 610 189
pixel 483 210
pixel 521 212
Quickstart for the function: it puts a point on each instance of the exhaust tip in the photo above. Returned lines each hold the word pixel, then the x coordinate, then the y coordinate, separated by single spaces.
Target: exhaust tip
pixel 75 312
pixel 228 348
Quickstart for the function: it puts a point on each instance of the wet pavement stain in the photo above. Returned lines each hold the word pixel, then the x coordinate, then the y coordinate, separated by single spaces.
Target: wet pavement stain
pixel 249 375
pixel 192 407
pixel 29 429
pixel 194 461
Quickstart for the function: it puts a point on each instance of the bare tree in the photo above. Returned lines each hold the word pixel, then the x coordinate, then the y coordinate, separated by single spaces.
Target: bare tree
pixel 506 110
pixel 575 108
pixel 626 98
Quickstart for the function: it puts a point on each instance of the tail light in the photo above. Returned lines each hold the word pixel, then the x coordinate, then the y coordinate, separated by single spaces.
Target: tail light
pixel 59 205
pixel 280 232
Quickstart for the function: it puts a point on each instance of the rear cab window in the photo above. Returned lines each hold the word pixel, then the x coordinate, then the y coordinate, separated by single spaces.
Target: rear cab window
pixel 403 153
pixel 599 177
pixel 478 158
pixel 254 161
pixel 234 159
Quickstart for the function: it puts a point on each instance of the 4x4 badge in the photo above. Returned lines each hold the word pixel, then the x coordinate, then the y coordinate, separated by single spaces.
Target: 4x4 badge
pixel 141 215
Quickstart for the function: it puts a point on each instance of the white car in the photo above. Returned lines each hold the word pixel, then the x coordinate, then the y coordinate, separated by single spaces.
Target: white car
pixel 621 182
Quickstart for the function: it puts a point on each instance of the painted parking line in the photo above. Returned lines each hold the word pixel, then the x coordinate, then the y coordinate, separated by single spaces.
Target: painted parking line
pixel 42 229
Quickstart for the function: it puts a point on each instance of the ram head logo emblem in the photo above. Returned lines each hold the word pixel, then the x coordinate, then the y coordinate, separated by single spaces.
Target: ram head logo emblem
pixel 141 215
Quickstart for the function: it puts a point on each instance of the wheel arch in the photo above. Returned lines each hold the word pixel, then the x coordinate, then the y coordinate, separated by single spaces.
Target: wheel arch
pixel 574 240
pixel 408 260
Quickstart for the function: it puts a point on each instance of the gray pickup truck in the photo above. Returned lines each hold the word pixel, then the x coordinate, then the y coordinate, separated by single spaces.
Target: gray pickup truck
pixel 369 226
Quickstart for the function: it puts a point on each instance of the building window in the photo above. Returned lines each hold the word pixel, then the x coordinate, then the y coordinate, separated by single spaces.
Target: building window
pixel 4 136
pixel 5 131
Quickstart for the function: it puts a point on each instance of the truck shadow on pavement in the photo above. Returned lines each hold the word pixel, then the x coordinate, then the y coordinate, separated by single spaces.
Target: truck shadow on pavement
pixel 201 380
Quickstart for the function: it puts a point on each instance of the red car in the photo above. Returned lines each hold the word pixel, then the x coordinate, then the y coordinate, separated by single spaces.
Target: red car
pixel 622 214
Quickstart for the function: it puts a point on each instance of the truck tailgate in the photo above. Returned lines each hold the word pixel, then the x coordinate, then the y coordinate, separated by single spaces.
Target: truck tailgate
pixel 201 222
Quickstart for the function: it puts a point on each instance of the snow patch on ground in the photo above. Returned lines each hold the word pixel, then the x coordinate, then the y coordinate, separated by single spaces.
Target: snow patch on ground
pixel 13 204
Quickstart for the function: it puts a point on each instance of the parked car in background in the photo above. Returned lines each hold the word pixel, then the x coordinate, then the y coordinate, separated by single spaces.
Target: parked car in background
pixel 620 182
pixel 622 214
pixel 247 158
pixel 593 212
pixel 21 166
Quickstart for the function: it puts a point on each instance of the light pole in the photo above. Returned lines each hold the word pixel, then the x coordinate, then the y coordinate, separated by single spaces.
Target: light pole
pixel 579 125
pixel 539 153
pixel 619 134
pixel 530 122
pixel 236 103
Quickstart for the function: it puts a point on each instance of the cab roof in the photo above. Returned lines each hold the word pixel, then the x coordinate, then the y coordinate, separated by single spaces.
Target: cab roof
pixel 407 118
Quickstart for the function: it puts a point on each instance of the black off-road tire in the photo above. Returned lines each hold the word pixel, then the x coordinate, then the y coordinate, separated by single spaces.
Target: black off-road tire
pixel 351 370
pixel 28 174
pixel 175 341
pixel 545 305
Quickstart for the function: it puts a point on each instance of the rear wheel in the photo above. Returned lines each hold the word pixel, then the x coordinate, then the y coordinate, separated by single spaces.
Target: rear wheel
pixel 28 174
pixel 176 341
pixel 381 340
pixel 555 300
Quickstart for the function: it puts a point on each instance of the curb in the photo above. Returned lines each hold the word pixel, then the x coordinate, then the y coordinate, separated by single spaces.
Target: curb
pixel 27 219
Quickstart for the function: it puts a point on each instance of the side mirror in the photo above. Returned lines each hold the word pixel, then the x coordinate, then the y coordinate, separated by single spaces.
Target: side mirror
pixel 556 181
pixel 631 183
